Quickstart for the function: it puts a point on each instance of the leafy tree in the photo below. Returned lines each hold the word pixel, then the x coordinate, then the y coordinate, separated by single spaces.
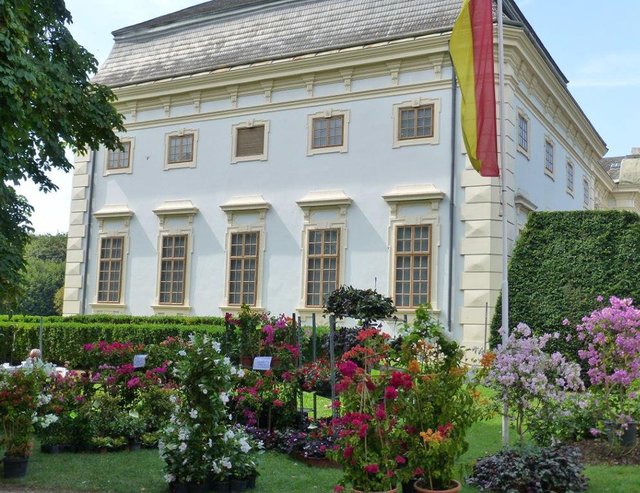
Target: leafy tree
pixel 45 257
pixel 46 104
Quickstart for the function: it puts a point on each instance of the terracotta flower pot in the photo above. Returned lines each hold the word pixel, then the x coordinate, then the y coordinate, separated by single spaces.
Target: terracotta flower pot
pixel 420 487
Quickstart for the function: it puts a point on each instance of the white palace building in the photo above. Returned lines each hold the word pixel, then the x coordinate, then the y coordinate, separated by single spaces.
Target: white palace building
pixel 276 149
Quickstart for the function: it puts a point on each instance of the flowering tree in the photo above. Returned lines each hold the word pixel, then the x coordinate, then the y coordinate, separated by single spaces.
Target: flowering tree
pixel 612 339
pixel 529 380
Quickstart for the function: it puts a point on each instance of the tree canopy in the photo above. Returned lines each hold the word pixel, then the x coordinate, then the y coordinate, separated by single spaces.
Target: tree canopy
pixel 47 104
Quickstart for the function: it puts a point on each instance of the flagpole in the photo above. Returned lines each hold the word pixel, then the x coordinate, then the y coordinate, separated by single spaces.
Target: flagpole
pixel 503 200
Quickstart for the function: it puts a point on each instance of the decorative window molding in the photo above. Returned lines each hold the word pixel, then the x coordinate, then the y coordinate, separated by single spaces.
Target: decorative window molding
pixel 181 149
pixel 112 245
pixel 549 157
pixel 570 178
pixel 416 122
pixel 324 244
pixel 524 206
pixel 120 161
pixel 523 133
pixel 328 131
pixel 412 207
pixel 250 141
pixel 175 248
pixel 246 216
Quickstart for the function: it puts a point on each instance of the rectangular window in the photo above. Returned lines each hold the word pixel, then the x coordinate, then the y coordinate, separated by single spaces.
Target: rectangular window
pixel 327 132
pixel 416 123
pixel 586 195
pixel 322 264
pixel 523 133
pixel 110 275
pixel 180 148
pixel 548 156
pixel 173 262
pixel 412 259
pixel 570 177
pixel 250 141
pixel 243 268
pixel 119 159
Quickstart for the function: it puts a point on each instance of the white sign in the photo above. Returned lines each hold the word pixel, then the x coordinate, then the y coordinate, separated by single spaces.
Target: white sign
pixel 262 363
pixel 139 360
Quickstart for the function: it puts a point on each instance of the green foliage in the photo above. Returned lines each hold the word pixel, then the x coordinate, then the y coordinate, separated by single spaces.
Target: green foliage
pixel 44 275
pixel 361 304
pixel 562 262
pixel 46 104
pixel 62 340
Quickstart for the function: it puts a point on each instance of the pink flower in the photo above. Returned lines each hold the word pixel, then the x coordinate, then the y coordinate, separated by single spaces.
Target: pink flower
pixel 372 469
pixel 348 368
pixel 278 403
pixel 348 452
pixel 338 489
pixel 418 472
pixel 134 382
pixel 268 331
pixel 380 412
pixel 400 459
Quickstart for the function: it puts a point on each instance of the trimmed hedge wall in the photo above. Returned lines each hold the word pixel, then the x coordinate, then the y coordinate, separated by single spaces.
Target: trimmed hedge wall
pixel 562 262
pixel 62 340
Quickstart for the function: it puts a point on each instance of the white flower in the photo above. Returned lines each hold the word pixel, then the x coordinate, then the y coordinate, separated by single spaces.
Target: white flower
pixel 182 352
pixel 241 373
pixel 183 447
pixel 244 446
pixel 226 360
pixel 216 346
pixel 169 478
pixel 224 397
pixel 183 434
pixel 193 413
pixel 225 462
pixel 228 435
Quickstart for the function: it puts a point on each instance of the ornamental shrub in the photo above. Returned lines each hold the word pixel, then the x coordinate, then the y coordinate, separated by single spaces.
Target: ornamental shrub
pixel 561 262
pixel 530 470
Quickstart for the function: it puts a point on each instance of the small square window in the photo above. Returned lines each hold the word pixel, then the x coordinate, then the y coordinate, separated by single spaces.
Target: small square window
pixel 249 141
pixel 180 148
pixel 416 123
pixel 119 159
pixel 548 157
pixel 328 132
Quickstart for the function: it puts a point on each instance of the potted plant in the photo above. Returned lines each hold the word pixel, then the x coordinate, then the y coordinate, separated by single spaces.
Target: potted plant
pixel 19 401
pixel 437 403
pixel 369 441
pixel 611 336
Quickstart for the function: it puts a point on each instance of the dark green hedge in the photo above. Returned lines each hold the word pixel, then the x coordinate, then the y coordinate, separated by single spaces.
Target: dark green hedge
pixel 562 262
pixel 119 319
pixel 62 340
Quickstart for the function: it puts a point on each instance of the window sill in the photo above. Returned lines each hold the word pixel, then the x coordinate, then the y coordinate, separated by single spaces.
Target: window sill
pixel 170 309
pixel 170 166
pixel 524 152
pixel 414 142
pixel 108 307
pixel 118 171
pixel 248 159
pixel 549 174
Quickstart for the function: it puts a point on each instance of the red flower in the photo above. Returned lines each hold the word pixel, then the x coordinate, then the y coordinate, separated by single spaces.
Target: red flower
pixel 400 379
pixel 417 472
pixel 348 368
pixel 391 393
pixel 444 430
pixel 400 459
pixel 372 469
pixel 338 489
pixel 278 403
pixel 348 452
pixel 363 430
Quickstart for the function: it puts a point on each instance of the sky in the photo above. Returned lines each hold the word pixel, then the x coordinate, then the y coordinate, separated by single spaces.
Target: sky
pixel 593 42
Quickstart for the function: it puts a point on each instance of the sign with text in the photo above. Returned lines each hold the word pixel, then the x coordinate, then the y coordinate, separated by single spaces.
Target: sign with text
pixel 262 363
pixel 139 360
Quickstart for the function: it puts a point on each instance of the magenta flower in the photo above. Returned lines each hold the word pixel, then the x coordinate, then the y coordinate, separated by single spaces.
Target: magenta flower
pixel 348 368
pixel 372 469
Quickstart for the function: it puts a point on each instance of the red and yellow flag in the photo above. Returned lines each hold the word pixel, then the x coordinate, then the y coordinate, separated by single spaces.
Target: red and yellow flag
pixel 471 50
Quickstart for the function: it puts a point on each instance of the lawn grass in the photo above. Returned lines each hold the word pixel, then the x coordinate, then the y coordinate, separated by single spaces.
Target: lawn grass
pixel 141 471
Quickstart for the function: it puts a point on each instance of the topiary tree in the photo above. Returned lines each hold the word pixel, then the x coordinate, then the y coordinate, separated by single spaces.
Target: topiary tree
pixel 363 304
pixel 562 262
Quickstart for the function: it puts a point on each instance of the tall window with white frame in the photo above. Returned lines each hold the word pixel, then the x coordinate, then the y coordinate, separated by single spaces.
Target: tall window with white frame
pixel 173 269
pixel 322 265
pixel 119 159
pixel 412 258
pixel 110 275
pixel 243 268
pixel 548 156
pixel 328 132
pixel 523 133
pixel 416 123
pixel 570 177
